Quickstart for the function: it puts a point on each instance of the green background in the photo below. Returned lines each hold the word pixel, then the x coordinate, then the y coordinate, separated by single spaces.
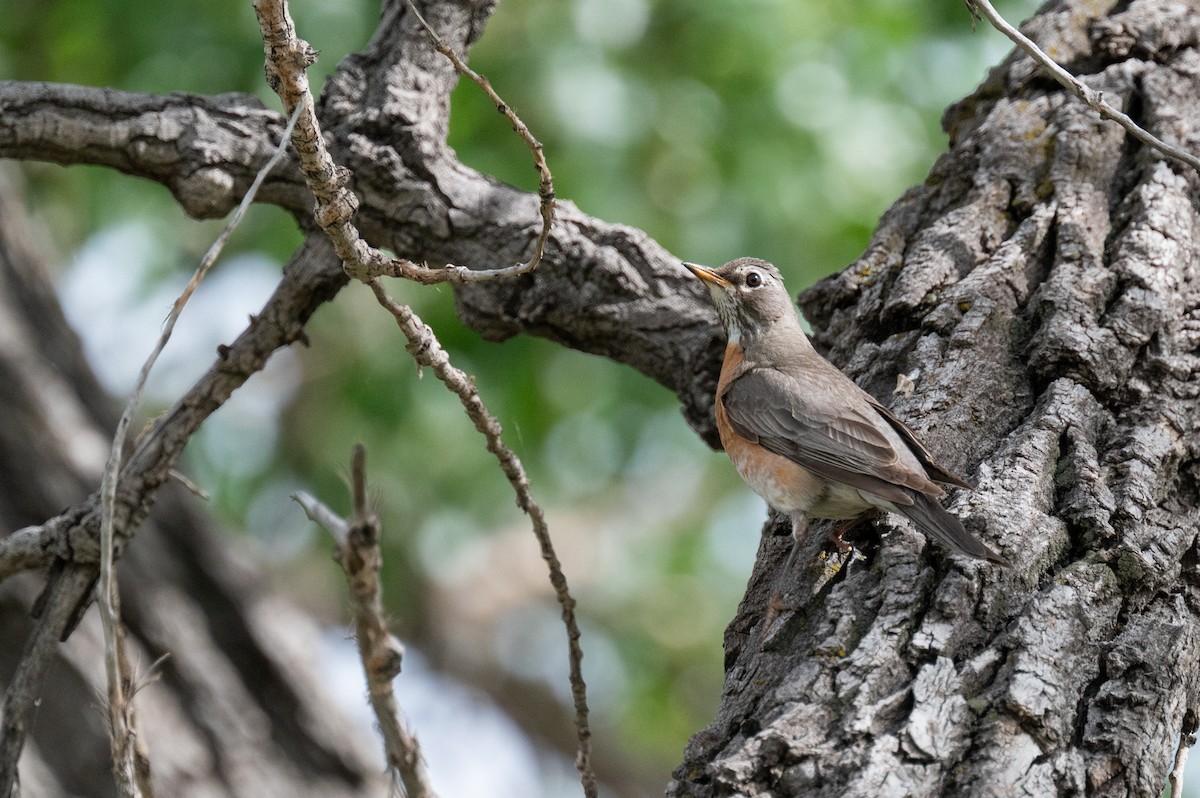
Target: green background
pixel 775 128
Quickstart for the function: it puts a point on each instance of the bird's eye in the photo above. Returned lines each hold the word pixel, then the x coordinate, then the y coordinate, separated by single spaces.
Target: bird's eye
pixel 753 280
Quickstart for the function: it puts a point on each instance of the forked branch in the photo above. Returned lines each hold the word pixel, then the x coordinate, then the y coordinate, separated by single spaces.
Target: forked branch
pixel 359 555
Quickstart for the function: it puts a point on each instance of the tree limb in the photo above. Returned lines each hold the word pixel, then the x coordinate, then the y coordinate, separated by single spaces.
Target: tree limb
pixel 72 539
pixel 603 288
pixel 205 150
pixel 1094 99
pixel 381 653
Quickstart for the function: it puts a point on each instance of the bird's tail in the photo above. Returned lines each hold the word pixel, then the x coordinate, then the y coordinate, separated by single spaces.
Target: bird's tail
pixel 944 527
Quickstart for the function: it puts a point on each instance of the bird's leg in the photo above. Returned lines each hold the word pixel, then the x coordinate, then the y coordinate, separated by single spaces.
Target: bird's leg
pixel 777 604
pixel 799 530
pixel 838 532
pixel 860 524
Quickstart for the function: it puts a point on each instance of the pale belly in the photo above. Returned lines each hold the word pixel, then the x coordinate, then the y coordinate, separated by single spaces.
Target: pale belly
pixel 789 488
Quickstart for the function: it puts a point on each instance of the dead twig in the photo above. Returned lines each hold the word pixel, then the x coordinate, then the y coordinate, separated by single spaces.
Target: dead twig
pixel 132 776
pixel 22 551
pixel 287 58
pixel 1092 98
pixel 425 348
pixel 1175 778
pixel 545 179
pixel 381 653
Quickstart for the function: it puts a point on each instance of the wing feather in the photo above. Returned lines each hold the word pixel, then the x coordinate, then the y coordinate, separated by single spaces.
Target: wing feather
pixel 842 441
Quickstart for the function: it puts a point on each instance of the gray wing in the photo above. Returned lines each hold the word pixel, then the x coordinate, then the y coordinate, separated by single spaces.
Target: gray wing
pixel 935 469
pixel 842 438
pixel 848 438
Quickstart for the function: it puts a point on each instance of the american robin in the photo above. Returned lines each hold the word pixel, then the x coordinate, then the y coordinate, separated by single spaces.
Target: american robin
pixel 802 434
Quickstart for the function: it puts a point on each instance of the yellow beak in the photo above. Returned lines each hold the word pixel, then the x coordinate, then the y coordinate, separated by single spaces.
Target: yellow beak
pixel 708 275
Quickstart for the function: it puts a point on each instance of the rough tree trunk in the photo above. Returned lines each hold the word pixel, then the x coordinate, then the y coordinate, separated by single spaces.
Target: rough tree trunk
pixel 1044 282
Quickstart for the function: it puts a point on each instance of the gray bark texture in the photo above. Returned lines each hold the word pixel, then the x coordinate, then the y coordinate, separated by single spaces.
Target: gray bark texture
pixel 1043 287
pixel 237 708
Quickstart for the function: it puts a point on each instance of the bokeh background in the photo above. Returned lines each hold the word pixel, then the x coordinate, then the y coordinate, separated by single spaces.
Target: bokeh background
pixel 775 128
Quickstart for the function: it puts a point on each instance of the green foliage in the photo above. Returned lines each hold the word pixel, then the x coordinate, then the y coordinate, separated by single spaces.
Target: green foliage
pixel 751 127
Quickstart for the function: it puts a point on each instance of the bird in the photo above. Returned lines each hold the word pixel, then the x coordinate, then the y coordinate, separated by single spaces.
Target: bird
pixel 802 434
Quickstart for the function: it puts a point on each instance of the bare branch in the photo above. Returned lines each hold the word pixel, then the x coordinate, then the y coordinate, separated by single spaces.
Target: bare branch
pixel 381 653
pixel 68 584
pixel 319 513
pixel 121 717
pixel 205 150
pixel 69 541
pixel 311 278
pixel 1175 778
pixel 425 348
pixel 23 551
pixel 1092 98
pixel 287 58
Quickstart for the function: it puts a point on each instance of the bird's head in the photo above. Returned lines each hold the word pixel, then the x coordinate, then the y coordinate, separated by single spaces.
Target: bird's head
pixel 749 295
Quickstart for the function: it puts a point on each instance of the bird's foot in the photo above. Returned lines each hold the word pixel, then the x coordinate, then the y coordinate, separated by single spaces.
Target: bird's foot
pixel 775 606
pixel 863 537
pixel 837 537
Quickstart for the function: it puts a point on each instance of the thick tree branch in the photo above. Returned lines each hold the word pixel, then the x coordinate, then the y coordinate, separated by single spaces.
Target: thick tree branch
pixel 205 150
pixel 603 288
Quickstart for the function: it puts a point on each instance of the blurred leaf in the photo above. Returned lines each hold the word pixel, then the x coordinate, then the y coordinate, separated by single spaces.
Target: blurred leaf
pixel 751 127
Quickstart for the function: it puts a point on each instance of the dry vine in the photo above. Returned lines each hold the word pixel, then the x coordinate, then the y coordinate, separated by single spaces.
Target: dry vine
pixel 287 57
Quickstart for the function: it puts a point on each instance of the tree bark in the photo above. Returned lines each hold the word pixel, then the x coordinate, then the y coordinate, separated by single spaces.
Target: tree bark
pixel 1043 287
pixel 237 708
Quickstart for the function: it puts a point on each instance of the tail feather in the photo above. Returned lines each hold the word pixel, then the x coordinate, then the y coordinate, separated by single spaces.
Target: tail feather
pixel 944 527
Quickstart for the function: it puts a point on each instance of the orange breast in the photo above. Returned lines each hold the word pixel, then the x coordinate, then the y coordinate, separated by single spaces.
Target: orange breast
pixel 786 486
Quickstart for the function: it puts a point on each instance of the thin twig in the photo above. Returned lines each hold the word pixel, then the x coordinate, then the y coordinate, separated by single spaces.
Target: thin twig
pixel 425 348
pixel 545 179
pixel 1092 98
pixel 1186 741
pixel 121 717
pixel 319 513
pixel 381 653
pixel 287 58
